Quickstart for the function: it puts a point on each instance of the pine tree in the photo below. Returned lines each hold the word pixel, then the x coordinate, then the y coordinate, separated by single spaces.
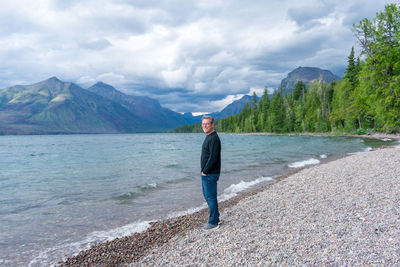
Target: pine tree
pixel 277 113
pixel 299 90
pixel 254 102
pixel 260 127
pixel 352 70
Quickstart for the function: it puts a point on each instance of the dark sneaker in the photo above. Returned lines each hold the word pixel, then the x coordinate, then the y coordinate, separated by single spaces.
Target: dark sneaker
pixel 209 226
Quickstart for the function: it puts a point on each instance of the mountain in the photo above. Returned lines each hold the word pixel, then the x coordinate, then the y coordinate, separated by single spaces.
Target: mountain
pixel 306 75
pixel 148 110
pixel 53 106
pixel 232 109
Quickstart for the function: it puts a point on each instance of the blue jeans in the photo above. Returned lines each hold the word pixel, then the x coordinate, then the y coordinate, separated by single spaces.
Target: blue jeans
pixel 209 186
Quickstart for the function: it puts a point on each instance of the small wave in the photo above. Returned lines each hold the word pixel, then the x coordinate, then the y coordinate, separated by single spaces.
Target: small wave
pixel 178 181
pixel 23 208
pixel 64 202
pixel 138 191
pixel 386 139
pixel 323 156
pixel 148 187
pixel 186 212
pixel 52 256
pixel 300 164
pixel 234 189
pixel 172 166
pixel 124 198
pixel 359 152
pixel 126 230
pixel 37 154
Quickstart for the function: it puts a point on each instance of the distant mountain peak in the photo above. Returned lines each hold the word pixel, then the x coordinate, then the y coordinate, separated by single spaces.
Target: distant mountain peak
pixel 306 75
pixel 50 82
pixel 100 83
pixel 233 108
pixel 105 90
pixel 103 87
pixel 53 79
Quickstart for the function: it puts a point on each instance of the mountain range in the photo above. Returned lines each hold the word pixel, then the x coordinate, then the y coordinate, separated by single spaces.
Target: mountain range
pixel 52 106
pixel 148 110
pixel 56 107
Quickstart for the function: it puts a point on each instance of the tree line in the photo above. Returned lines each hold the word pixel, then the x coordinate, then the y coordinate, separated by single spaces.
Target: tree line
pixel 366 98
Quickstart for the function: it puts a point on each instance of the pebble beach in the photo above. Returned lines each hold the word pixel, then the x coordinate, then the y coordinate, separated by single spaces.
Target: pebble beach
pixel 344 212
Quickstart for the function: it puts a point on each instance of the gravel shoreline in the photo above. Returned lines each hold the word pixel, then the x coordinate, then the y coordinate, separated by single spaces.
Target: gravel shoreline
pixel 345 212
pixel 132 248
pixel 159 241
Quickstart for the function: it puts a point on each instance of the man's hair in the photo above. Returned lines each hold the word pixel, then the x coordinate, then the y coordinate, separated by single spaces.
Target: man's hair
pixel 208 118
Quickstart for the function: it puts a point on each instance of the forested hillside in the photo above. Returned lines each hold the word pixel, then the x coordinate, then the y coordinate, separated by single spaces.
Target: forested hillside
pixel 367 98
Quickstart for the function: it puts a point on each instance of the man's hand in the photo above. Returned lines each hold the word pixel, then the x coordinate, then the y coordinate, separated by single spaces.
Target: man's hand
pixel 202 173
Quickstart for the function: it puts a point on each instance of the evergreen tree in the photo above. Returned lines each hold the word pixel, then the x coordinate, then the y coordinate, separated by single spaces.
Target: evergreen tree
pixel 289 103
pixel 260 127
pixel 265 103
pixel 340 104
pixel 352 69
pixel 254 102
pixel 299 90
pixel 278 114
pixel 380 41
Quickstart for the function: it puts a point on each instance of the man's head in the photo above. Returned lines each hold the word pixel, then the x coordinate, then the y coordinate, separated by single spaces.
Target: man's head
pixel 207 123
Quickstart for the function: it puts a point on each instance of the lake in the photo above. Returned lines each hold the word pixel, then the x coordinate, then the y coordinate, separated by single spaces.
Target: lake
pixel 60 194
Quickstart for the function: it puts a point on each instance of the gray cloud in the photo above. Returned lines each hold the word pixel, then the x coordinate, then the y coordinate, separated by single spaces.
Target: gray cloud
pixel 190 55
pixel 307 15
pixel 95 44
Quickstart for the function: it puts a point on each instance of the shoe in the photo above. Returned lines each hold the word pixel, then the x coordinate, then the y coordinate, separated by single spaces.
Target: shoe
pixel 209 226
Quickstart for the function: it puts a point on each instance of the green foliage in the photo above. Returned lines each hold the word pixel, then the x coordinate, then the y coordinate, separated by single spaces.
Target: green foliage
pixel 352 69
pixel 278 113
pixel 190 128
pixel 380 88
pixel 299 90
pixel 368 96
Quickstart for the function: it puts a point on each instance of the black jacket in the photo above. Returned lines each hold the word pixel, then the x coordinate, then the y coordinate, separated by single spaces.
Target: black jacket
pixel 211 154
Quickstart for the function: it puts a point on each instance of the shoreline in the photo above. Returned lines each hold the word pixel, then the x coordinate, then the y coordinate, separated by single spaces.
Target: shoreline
pixel 133 248
pixel 344 212
pixel 370 136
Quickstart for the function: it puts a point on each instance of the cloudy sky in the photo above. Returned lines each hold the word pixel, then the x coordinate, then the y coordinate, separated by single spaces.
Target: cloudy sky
pixel 191 55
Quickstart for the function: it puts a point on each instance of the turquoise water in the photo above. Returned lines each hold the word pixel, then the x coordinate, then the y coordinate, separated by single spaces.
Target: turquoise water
pixel 62 193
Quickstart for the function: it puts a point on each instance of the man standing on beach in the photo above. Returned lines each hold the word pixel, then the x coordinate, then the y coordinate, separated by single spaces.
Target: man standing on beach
pixel 210 169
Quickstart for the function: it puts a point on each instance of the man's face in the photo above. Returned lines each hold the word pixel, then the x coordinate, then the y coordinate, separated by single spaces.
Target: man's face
pixel 207 126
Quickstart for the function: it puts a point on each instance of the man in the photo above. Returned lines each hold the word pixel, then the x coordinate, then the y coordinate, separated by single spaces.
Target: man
pixel 210 170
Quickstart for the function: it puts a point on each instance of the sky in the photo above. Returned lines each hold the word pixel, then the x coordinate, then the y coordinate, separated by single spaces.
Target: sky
pixel 191 55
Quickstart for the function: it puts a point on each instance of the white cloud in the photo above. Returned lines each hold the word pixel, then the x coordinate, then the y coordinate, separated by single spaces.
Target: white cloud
pixel 259 91
pixel 220 104
pixel 175 77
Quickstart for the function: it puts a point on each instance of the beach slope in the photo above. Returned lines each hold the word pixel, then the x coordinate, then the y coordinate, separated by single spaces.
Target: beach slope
pixel 345 212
